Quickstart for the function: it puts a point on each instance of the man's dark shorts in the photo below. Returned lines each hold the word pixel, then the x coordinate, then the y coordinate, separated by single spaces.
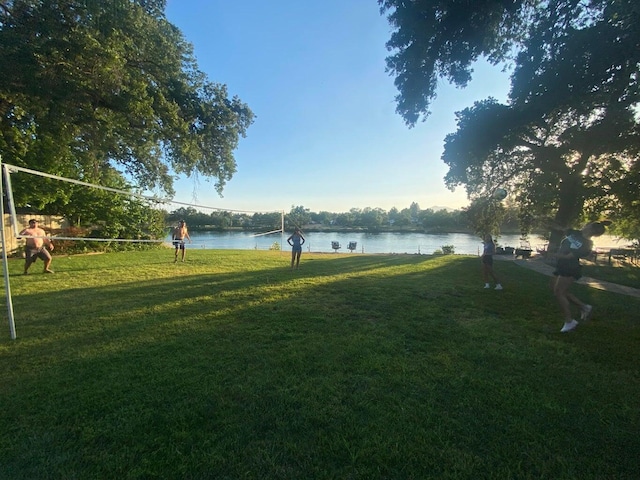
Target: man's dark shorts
pixel 487 259
pixel 33 253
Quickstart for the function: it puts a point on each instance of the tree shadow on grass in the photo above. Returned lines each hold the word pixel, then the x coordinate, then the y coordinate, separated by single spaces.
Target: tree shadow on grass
pixel 325 368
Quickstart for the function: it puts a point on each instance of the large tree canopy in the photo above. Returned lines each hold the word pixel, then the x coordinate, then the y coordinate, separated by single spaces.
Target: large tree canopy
pixel 89 85
pixel 563 165
pixel 562 49
pixel 568 140
pixel 435 39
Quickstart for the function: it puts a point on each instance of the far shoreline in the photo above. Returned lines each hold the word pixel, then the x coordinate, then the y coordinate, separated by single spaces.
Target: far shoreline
pixel 334 229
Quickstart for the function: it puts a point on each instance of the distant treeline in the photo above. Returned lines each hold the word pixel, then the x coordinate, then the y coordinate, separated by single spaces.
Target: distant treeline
pixel 368 219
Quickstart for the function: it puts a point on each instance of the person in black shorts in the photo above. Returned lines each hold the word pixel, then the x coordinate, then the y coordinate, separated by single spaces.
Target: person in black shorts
pixel 577 244
pixel 487 263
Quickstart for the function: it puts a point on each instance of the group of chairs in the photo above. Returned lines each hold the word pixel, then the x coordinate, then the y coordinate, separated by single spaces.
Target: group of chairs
pixel 351 246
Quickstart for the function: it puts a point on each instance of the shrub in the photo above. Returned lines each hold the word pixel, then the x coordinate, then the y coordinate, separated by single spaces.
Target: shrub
pixel 448 249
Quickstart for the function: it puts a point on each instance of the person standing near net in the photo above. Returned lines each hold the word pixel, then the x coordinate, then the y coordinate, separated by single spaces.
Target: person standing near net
pixel 180 233
pixel 577 244
pixel 488 251
pixel 296 240
pixel 36 246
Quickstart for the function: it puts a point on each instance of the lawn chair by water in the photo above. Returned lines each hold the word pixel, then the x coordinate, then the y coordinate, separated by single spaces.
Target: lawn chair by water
pixel 352 246
pixel 541 249
pixel 524 250
pixel 336 246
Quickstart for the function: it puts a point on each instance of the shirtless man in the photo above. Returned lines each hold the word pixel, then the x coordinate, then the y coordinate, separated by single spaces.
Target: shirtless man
pixel 36 247
pixel 179 234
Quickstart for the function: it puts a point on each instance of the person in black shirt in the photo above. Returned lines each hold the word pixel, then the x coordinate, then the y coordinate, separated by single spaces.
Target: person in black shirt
pixel 576 245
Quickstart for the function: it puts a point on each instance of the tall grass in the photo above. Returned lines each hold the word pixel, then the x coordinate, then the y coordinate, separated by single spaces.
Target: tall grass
pixel 233 366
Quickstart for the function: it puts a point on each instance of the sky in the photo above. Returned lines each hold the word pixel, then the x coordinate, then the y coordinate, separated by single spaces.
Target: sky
pixel 326 135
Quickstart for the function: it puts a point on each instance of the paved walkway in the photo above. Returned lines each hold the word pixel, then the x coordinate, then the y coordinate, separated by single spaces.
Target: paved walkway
pixel 539 265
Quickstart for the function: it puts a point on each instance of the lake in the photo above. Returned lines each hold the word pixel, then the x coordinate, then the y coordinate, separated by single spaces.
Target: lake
pixel 388 242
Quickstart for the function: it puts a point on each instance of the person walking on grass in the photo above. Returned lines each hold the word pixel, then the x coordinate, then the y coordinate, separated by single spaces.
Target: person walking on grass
pixel 296 240
pixel 487 263
pixel 35 247
pixel 577 244
pixel 179 234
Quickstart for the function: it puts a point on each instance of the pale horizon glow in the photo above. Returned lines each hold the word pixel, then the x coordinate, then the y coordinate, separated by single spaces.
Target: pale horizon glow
pixel 326 135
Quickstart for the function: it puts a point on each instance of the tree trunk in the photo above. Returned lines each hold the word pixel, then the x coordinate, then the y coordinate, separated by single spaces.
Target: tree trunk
pixel 570 205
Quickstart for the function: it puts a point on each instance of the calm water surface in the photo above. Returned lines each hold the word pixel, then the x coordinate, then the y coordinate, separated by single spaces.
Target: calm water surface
pixel 366 242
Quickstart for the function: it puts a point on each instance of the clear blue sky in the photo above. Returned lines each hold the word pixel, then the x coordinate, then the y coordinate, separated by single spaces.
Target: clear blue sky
pixel 326 135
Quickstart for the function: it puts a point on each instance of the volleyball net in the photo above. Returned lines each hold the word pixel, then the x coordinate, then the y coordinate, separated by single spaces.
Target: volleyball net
pixel 108 216
pixel 95 213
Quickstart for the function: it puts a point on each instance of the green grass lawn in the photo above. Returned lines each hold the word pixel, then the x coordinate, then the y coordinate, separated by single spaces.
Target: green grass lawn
pixel 233 366
pixel 625 274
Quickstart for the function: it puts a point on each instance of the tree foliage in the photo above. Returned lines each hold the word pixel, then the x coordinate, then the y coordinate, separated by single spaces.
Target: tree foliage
pixel 485 216
pixel 564 166
pixel 298 216
pixel 224 219
pixel 435 40
pixel 498 217
pixel 88 86
pixel 567 142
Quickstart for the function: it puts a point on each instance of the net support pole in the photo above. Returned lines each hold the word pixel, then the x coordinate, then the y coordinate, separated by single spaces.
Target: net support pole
pixel 11 205
pixel 5 266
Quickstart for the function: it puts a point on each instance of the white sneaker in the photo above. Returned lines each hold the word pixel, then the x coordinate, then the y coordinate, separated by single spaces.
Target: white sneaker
pixel 568 326
pixel 586 313
pixel 486 285
pixel 498 287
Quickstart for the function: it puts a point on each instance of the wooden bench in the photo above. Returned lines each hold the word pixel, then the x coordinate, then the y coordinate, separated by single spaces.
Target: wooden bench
pixel 624 255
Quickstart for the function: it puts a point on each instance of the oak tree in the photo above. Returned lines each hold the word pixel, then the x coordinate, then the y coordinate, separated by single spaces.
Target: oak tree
pixel 89 86
pixel 567 140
